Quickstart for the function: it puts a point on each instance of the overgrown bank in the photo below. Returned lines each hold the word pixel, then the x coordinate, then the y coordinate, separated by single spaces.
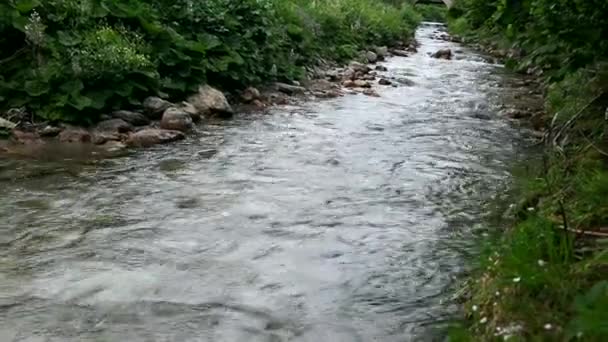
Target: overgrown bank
pixel 543 275
pixel 73 60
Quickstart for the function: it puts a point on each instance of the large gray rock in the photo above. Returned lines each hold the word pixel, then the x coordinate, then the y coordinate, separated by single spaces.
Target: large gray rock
pixel 191 110
pixel 176 119
pixel 382 51
pixel 114 126
pixel 153 136
pixel 75 135
pixel 134 118
pixel 154 107
pixel 371 57
pixel 359 67
pixel 443 54
pixel 210 101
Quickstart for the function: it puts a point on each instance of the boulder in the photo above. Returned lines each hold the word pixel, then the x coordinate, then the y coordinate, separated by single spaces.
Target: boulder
pixel 114 126
pixel 7 125
pixel 384 81
pixel 400 53
pixel 362 84
pixel 191 110
pixel 133 118
pixel 49 131
pixel 382 51
pixel 289 89
pixel 25 137
pixel 371 57
pixel 75 135
pixel 176 119
pixel 153 136
pixel 405 81
pixel 250 94
pixel 100 138
pixel 154 107
pixel 359 67
pixel 381 68
pixel 443 54
pixel 348 84
pixel 211 102
pixel 368 77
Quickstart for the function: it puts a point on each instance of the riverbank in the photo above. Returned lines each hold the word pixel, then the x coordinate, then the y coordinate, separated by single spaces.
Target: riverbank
pixel 129 62
pixel 540 269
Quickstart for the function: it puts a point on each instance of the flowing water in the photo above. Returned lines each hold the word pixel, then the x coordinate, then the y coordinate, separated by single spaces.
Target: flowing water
pixel 338 220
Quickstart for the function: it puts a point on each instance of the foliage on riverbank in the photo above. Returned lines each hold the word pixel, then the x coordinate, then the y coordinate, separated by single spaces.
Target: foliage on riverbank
pixel 544 276
pixel 430 12
pixel 71 60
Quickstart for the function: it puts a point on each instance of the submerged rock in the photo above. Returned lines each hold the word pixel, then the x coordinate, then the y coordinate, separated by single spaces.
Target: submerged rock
pixel 381 68
pixel 384 81
pixel 25 137
pixel 289 89
pixel 154 107
pixel 49 131
pixel 176 119
pixel 75 135
pixel 211 102
pixel 400 53
pixel 153 136
pixel 371 92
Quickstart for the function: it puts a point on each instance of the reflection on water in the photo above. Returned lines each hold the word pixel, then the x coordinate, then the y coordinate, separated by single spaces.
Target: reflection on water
pixel 329 221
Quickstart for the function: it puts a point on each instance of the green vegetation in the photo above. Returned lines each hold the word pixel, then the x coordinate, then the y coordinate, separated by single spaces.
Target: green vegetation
pixel 544 276
pixel 430 12
pixel 71 60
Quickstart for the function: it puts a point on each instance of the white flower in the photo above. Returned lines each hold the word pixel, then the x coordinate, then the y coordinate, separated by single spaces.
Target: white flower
pixel 541 262
pixel 531 209
pixel 548 326
pixel 497 293
pixel 517 279
pixel 483 320
pixel 474 308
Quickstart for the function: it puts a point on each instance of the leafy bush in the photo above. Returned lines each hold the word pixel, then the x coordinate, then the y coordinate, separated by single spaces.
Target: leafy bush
pixel 73 59
pixel 436 13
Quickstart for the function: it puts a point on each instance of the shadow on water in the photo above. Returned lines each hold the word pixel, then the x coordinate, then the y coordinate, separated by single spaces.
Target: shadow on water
pixel 329 221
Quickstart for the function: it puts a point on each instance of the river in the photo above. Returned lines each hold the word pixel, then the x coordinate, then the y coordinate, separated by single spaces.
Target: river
pixel 338 220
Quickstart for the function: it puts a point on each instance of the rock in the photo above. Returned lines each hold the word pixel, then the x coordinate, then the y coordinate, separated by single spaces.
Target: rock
pixel 100 138
pixel 49 131
pixel 25 138
pixel 7 125
pixel 384 81
pixel 289 89
pixel 328 94
pixel 382 51
pixel 153 136
pixel 332 75
pixel 371 57
pixel 405 81
pixel 443 54
pixel 349 84
pixel 381 68
pixel 133 118
pixel 400 53
pixel 75 135
pixel 359 67
pixel 296 83
pixel 371 92
pixel 279 98
pixel 114 126
pixel 191 110
pixel 154 107
pixel 258 104
pixel 515 113
pixel 322 85
pixel 412 48
pixel 250 94
pixel 176 119
pixel 368 77
pixel 210 101
pixel 362 84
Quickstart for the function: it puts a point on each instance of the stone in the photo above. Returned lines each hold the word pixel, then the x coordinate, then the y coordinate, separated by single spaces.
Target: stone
pixel 25 137
pixel 400 53
pixel 100 138
pixel 368 77
pixel 349 84
pixel 371 92
pixel 133 118
pixel 405 81
pixel 384 81
pixel 515 113
pixel 359 67
pixel 153 136
pixel 154 107
pixel 7 125
pixel 250 94
pixel 382 51
pixel 75 135
pixel 114 146
pixel 49 131
pixel 443 54
pixel 176 119
pixel 332 75
pixel 371 57
pixel 211 102
pixel 289 89
pixel 362 84
pixel 114 126
pixel 412 48
pixel 381 68
pixel 191 110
